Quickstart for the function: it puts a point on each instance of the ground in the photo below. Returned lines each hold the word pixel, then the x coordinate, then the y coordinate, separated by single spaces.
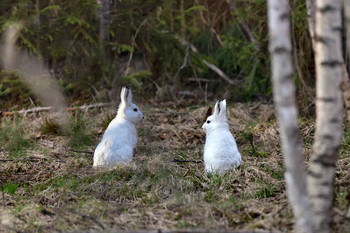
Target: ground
pixel 49 185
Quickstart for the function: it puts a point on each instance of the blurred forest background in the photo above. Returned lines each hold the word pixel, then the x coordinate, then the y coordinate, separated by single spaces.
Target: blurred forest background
pixel 163 49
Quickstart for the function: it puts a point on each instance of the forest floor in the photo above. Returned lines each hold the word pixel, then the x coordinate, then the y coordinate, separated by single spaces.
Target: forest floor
pixel 48 183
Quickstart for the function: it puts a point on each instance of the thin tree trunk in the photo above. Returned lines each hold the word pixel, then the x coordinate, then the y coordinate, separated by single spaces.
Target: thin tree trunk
pixel 329 109
pixel 287 114
pixel 182 19
pixel 311 12
pixel 346 6
pixel 104 18
pixel 346 79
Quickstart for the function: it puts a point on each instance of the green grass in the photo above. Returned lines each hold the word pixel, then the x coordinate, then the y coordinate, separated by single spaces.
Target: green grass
pixel 13 138
pixel 79 133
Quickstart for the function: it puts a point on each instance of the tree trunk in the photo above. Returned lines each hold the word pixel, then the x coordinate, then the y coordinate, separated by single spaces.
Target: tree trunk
pixel 104 19
pixel 329 109
pixel 311 12
pixel 311 16
pixel 287 114
pixel 346 68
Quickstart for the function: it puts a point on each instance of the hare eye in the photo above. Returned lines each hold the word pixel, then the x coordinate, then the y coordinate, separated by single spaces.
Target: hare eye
pixel 208 122
pixel 135 109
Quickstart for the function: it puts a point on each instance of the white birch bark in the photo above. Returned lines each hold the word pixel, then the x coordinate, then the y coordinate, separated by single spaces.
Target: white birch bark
pixel 311 16
pixel 287 114
pixel 346 85
pixel 311 12
pixel 329 110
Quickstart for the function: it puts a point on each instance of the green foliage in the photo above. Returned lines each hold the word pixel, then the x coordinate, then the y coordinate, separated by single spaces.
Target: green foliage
pixel 135 80
pixel 266 191
pixel 13 139
pixel 12 90
pixel 106 120
pixel 10 188
pixel 65 35
pixel 78 133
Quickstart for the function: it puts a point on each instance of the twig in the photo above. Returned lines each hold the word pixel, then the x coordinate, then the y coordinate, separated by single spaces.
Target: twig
pixel 219 72
pixel 295 55
pixel 29 159
pixel 184 63
pixel 81 151
pixel 3 197
pixel 88 217
pixel 203 80
pixel 127 68
pixel 11 228
pixel 22 160
pixel 208 64
pixel 46 109
pixel 202 231
pixel 185 161
pixel 187 60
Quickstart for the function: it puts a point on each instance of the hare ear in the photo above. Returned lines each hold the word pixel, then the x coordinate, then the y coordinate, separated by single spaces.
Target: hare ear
pixel 126 95
pixel 209 112
pixel 222 105
pixel 217 108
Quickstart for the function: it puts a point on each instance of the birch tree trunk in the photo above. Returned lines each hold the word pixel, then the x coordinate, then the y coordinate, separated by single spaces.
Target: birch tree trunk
pixel 329 110
pixel 287 114
pixel 346 85
pixel 311 12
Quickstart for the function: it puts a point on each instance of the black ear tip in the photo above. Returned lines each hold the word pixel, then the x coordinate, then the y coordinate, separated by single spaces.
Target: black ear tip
pixel 126 87
pixel 219 106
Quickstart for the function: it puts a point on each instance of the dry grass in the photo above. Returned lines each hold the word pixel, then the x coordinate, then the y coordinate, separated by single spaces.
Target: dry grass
pixel 49 184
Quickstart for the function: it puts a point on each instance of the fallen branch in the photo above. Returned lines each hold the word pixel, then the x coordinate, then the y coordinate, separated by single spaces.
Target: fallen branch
pixel 82 151
pixel 47 109
pixel 185 161
pixel 32 159
pixel 201 231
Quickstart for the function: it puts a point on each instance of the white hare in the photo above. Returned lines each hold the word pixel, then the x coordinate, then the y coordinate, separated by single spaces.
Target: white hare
pixel 120 138
pixel 220 150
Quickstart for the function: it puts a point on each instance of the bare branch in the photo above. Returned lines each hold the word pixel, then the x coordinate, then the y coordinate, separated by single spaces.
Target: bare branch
pixel 244 27
pixel 219 72
pixel 47 109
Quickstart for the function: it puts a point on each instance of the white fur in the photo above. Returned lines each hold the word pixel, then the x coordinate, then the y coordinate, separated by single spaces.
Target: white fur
pixel 220 150
pixel 120 138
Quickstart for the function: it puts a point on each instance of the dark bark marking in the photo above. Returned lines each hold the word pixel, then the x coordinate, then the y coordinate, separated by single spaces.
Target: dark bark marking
pixel 321 39
pixel 284 16
pixel 281 49
pixel 331 63
pixel 315 175
pixel 334 120
pixel 320 196
pixel 326 99
pixel 325 160
pixel 326 8
pixel 328 137
pixel 286 78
